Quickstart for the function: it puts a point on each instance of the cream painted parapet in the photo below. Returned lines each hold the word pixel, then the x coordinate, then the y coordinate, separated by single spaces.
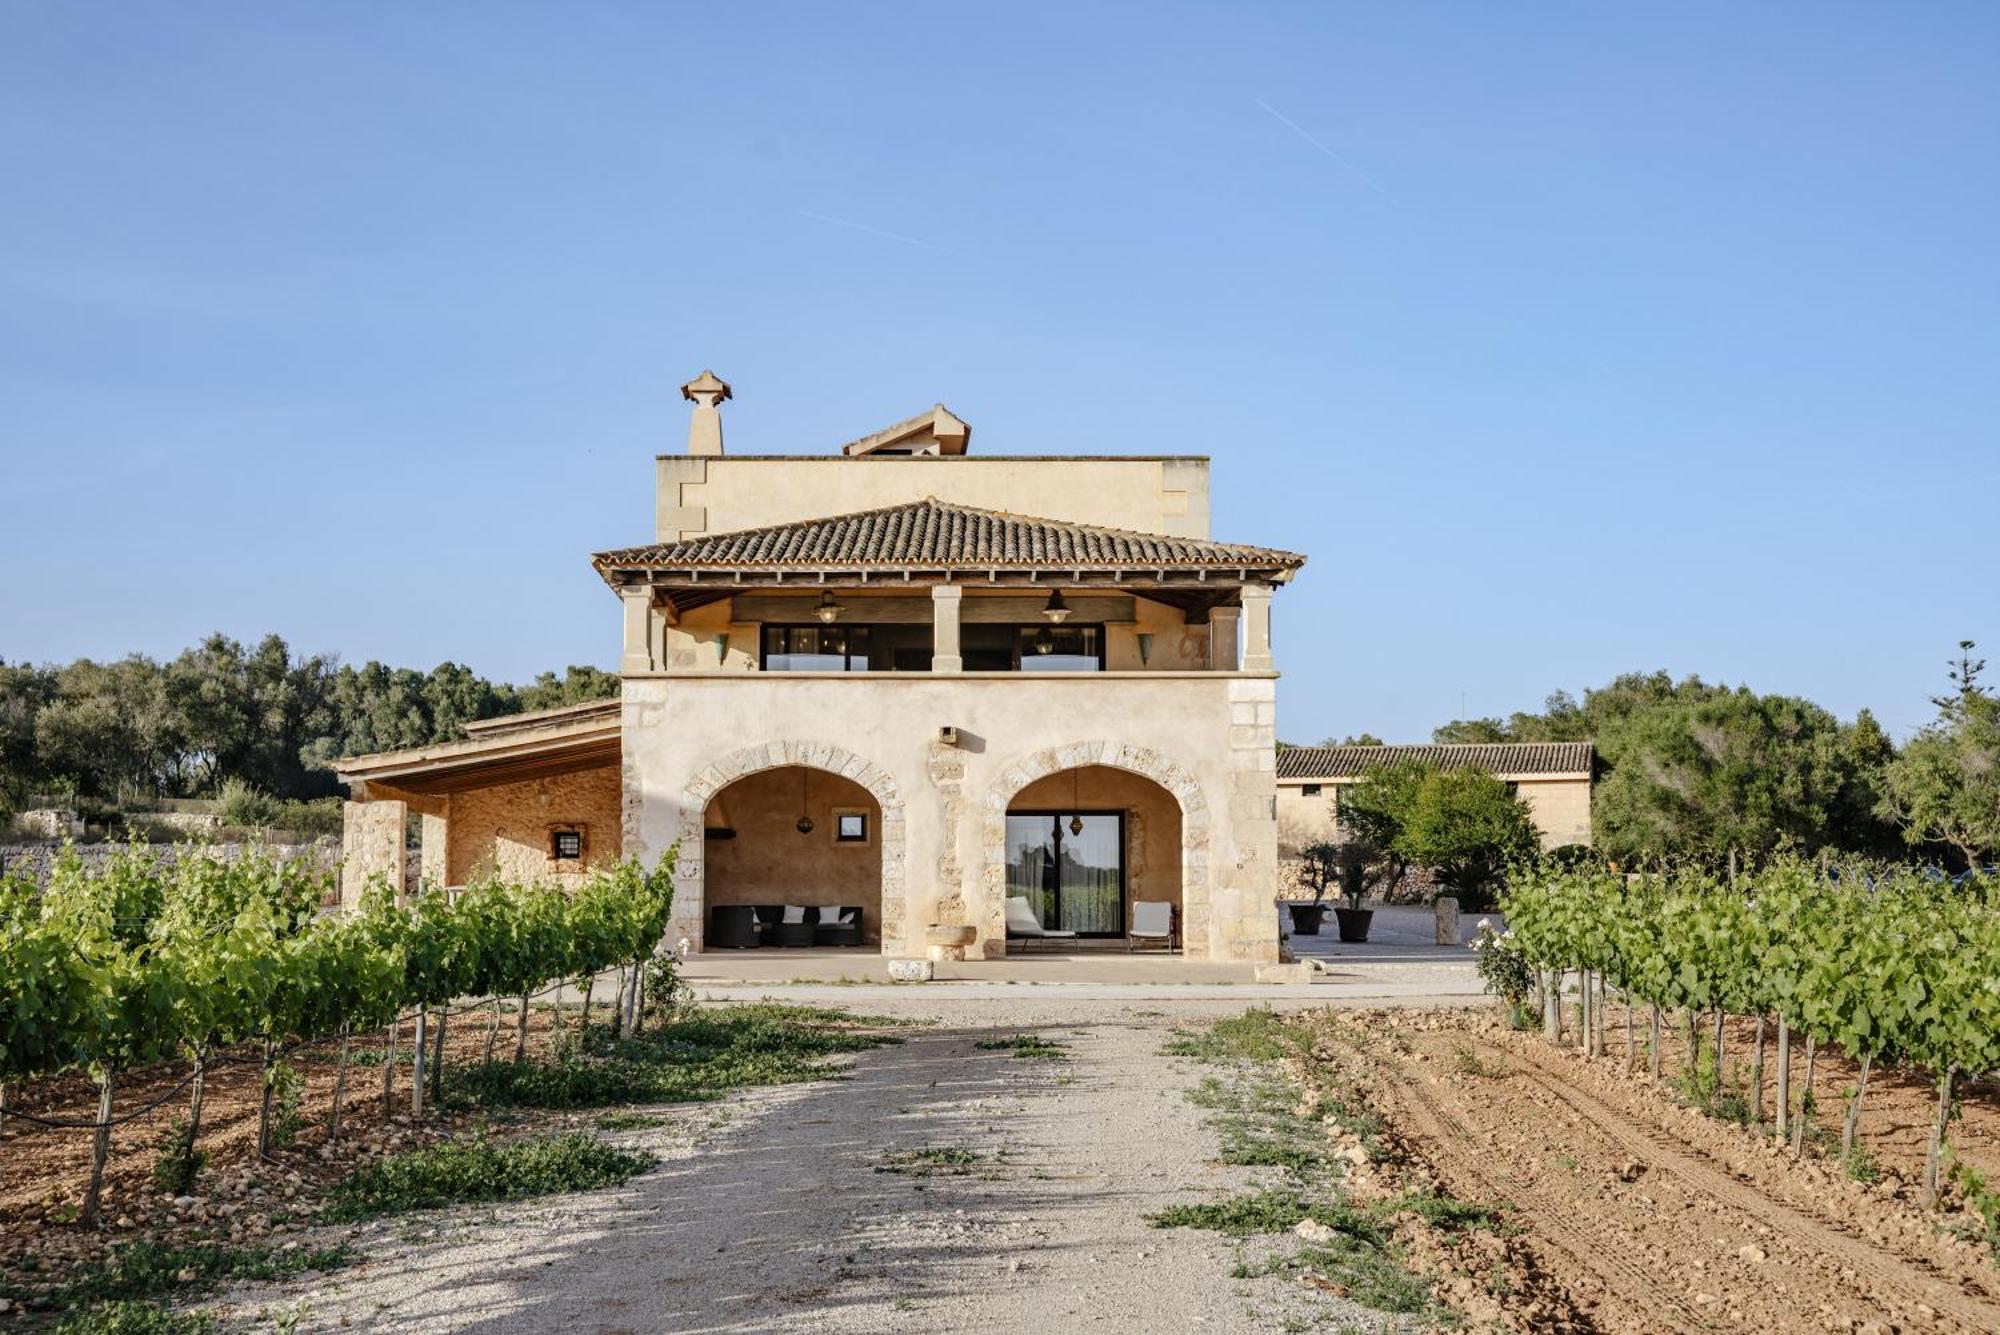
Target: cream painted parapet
pixel 945 602
pixel 1257 628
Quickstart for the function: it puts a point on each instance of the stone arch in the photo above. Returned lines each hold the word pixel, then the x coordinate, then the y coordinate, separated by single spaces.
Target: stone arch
pixel 1196 899
pixel 690 871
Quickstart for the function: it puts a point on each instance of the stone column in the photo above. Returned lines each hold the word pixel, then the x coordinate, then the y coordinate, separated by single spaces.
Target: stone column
pixel 638 657
pixel 1257 628
pixel 371 844
pixel 432 868
pixel 1222 623
pixel 945 656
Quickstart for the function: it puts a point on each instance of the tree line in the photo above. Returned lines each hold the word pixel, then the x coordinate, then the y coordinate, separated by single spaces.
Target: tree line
pixel 1694 770
pixel 222 710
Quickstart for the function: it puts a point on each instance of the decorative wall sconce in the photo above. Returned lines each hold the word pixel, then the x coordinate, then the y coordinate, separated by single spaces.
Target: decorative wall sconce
pixel 722 651
pixel 1145 638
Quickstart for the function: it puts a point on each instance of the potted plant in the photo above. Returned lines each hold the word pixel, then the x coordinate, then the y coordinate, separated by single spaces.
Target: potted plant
pixel 1322 867
pixel 1355 857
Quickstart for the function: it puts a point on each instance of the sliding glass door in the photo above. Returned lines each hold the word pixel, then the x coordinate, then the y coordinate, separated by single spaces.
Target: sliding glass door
pixel 1070 866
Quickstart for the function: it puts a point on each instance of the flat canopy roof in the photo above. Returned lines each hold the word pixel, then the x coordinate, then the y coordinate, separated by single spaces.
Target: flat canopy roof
pixel 509 749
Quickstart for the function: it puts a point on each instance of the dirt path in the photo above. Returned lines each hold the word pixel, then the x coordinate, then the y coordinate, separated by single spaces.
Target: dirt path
pixel 772 1212
pixel 1653 1217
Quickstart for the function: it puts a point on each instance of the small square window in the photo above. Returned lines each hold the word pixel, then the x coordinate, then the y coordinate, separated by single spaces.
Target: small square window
pixel 851 827
pixel 566 845
pixel 1309 790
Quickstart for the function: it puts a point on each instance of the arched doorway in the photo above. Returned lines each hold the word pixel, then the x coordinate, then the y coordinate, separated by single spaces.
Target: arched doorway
pixel 1087 844
pixel 795 835
pixel 825 761
pixel 1197 929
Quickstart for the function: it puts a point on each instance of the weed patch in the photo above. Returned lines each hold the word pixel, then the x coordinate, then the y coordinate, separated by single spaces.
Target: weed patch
pixel 455 1172
pixel 1028 1047
pixel 1268 1212
pixel 1254 1036
pixel 932 1161
pixel 698 1055
pixel 150 1269
pixel 134 1318
pixel 630 1121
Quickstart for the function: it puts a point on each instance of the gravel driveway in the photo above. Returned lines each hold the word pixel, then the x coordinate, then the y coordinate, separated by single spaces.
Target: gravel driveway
pixel 773 1212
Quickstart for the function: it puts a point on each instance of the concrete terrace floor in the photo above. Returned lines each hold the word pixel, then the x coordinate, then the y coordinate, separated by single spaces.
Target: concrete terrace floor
pixel 1400 964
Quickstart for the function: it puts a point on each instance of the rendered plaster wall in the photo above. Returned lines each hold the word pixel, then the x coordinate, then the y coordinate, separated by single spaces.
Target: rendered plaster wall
pixel 1560 808
pixel 722 495
pixel 506 828
pixel 1152 824
pixel 769 862
pixel 1206 738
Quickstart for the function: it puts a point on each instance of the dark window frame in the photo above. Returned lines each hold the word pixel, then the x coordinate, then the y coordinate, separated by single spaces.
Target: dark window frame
pixel 841 836
pixel 562 834
pixel 848 656
pixel 1103 644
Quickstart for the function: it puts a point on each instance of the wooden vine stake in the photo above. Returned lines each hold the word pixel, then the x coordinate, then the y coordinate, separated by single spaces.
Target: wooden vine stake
pixel 1851 1129
pixel 339 1088
pixel 1784 1078
pixel 100 1150
pixel 1805 1098
pixel 1935 1153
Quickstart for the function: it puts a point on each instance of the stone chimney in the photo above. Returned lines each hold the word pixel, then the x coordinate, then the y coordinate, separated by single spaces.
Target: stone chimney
pixel 706 392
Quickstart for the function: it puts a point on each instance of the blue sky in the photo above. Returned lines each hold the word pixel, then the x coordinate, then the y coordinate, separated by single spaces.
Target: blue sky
pixel 1566 339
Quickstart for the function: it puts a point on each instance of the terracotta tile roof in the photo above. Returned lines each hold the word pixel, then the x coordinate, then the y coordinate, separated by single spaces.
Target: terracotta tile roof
pixel 1505 759
pixel 932 533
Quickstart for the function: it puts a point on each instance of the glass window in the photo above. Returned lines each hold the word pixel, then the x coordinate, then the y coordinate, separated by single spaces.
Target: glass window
pixel 815 649
pixel 566 845
pixel 1061 648
pixel 1309 790
pixel 851 827
pixel 1070 867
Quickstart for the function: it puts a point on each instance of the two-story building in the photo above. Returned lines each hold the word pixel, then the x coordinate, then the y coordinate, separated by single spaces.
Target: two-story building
pixel 900 676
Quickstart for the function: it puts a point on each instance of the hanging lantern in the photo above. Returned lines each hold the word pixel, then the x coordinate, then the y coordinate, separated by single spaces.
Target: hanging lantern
pixel 1075 800
pixel 1045 643
pixel 1055 609
pixel 828 610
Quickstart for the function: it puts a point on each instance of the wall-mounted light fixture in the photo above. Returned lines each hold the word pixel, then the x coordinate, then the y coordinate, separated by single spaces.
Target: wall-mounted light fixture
pixel 1056 610
pixel 722 650
pixel 1145 638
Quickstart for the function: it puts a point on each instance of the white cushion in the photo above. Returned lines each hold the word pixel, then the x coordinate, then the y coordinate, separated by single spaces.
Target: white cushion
pixel 795 913
pixel 831 917
pixel 1021 919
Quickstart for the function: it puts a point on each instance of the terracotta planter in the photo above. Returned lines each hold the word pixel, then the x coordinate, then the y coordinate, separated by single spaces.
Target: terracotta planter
pixel 1354 923
pixel 1306 918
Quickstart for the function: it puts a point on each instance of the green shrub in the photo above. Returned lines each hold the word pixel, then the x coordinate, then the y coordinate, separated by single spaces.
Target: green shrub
pixel 242 804
pixel 460 1171
pixel 148 1269
pixel 178 1162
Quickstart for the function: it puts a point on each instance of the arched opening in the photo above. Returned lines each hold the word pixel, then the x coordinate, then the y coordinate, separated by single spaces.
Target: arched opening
pixel 793 836
pixel 1088 846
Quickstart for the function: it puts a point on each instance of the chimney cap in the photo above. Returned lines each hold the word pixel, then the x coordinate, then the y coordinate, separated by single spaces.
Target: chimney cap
pixel 708 382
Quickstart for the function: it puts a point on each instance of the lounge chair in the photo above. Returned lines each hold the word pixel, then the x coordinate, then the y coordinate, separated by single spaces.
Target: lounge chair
pixel 838 927
pixel 1152 922
pixel 1024 926
pixel 732 927
pixel 794 928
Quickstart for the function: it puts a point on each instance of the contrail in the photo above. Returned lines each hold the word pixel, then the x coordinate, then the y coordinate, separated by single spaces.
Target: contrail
pixel 876 231
pixel 1300 131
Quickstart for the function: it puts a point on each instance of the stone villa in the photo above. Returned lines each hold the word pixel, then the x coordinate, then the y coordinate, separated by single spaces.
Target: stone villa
pixel 900 677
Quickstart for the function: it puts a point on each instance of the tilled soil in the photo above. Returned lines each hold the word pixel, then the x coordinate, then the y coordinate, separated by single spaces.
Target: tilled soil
pixel 1652 1216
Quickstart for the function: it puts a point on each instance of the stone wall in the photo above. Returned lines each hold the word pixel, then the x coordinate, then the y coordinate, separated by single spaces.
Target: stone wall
pixel 506 828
